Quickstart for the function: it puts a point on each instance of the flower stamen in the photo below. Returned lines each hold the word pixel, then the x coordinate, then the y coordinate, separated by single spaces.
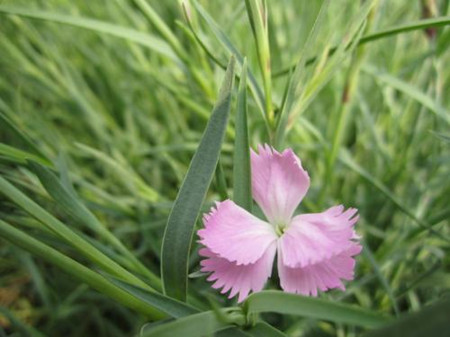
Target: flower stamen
pixel 280 229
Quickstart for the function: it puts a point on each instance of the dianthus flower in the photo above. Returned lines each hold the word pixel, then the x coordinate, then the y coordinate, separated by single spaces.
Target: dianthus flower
pixel 314 251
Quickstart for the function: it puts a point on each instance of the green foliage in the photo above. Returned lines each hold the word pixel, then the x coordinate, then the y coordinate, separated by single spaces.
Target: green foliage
pixel 112 124
pixel 180 225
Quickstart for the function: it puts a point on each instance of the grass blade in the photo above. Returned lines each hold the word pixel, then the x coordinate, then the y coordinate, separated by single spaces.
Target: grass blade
pixel 19 156
pixel 242 188
pixel 291 304
pixel 262 329
pixel 431 321
pixel 129 34
pixel 388 32
pixel 346 159
pixel 184 213
pixel 202 324
pixel 225 41
pixel 163 303
pixel 257 15
pixel 77 210
pixel 411 91
pixel 23 137
pixel 96 281
pixel 298 76
pixel 65 233
pixel 416 25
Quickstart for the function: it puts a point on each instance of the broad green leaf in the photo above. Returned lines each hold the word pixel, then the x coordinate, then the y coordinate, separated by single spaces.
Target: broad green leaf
pixel 78 211
pixel 93 279
pixel 129 34
pixel 430 321
pixel 291 304
pixel 184 213
pixel 242 183
pixel 68 235
pixel 159 301
pixel 197 325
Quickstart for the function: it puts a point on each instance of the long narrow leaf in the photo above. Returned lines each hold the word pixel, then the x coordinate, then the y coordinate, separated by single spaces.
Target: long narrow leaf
pixel 171 307
pixel 144 39
pixel 77 210
pixel 65 233
pixel 431 321
pixel 202 324
pixel 262 329
pixel 242 188
pixel 346 159
pixel 291 304
pixel 184 213
pixel 229 46
pixel 75 269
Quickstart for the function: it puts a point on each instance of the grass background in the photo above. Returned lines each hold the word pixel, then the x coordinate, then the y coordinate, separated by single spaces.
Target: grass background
pixel 120 121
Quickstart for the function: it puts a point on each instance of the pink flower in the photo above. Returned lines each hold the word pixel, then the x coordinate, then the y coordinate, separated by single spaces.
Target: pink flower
pixel 314 251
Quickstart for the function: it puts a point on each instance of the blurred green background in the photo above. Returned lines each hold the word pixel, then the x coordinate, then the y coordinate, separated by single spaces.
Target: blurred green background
pixel 118 111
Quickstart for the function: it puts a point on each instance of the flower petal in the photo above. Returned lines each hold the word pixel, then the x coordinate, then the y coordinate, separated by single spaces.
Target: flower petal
pixel 240 279
pixel 325 275
pixel 279 183
pixel 234 234
pixel 313 238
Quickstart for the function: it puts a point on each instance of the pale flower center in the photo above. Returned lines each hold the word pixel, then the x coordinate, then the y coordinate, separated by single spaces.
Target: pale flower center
pixel 280 229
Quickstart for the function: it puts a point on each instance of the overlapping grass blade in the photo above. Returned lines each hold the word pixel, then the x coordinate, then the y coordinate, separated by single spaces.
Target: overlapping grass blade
pixel 229 46
pixel 77 210
pixel 257 15
pixel 411 91
pixel 129 34
pixel 381 34
pixel 184 213
pixel 298 76
pixel 197 325
pixel 169 306
pixel 430 321
pixel 93 279
pixel 68 235
pixel 292 304
pixel 20 156
pixel 346 159
pixel 262 329
pixel 23 137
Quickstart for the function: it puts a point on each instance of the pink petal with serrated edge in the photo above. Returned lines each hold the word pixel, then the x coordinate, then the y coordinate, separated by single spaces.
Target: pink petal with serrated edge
pixel 240 279
pixel 234 234
pixel 279 183
pixel 324 275
pixel 312 238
